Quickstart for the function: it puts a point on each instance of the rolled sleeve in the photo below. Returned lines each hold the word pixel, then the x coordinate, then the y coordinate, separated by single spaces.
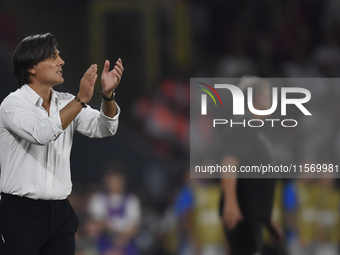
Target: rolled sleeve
pixel 56 124
pixel 20 120
pixel 96 124
pixel 110 123
pixel 107 118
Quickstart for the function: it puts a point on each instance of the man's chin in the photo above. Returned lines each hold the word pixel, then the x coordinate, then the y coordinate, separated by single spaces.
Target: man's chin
pixel 60 82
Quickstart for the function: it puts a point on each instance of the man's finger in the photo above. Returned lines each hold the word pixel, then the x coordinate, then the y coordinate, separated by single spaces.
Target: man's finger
pixel 119 71
pixel 86 74
pixel 120 65
pixel 106 66
pixel 93 72
pixel 94 78
pixel 118 77
pixel 90 70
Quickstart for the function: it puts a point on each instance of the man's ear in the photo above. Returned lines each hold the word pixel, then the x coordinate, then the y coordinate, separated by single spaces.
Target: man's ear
pixel 32 70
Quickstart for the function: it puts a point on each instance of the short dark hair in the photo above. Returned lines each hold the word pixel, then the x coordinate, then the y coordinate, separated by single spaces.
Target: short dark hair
pixel 29 52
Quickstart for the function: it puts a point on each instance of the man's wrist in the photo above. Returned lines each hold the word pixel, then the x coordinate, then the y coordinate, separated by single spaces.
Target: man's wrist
pixel 82 98
pixel 231 199
pixel 82 103
pixel 108 96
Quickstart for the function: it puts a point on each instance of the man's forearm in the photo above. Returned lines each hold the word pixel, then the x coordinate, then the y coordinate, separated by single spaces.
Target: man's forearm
pixel 229 181
pixel 229 189
pixel 69 112
pixel 109 108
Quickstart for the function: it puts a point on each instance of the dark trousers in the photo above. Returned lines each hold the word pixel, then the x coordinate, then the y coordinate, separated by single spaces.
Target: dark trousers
pixel 36 227
pixel 246 238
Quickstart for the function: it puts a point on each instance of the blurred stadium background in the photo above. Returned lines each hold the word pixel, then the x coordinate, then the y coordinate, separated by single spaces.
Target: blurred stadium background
pixel 162 44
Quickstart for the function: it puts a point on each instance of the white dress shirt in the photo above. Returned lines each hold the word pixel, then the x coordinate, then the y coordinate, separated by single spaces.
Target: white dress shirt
pixel 35 150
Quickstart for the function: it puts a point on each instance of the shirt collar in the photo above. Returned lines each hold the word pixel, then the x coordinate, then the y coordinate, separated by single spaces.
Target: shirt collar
pixel 35 98
pixel 54 97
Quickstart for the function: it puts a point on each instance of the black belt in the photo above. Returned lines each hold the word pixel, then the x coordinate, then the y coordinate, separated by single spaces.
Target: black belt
pixel 13 199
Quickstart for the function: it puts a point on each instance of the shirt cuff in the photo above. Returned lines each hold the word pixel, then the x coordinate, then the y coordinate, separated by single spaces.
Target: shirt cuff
pixel 107 117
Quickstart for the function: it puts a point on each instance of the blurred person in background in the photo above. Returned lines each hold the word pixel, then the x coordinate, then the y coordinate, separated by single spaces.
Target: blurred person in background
pixel 328 221
pixel 170 231
pixel 89 229
pixel 36 133
pixel 197 210
pixel 246 204
pixel 270 247
pixel 300 206
pixel 118 213
pixel 87 237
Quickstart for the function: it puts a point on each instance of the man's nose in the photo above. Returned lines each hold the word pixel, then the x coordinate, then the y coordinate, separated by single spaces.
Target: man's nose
pixel 62 62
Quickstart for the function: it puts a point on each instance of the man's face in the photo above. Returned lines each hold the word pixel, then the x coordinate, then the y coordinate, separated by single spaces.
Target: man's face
pixel 49 71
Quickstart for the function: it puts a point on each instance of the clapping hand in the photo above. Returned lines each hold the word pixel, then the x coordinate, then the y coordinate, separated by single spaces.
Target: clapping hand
pixel 110 80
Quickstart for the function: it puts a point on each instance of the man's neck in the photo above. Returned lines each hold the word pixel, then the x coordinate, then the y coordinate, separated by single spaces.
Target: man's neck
pixel 45 92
